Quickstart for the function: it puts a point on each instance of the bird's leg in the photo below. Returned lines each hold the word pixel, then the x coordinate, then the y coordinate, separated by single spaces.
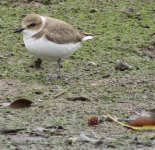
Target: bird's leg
pixel 37 63
pixel 58 71
pixel 59 68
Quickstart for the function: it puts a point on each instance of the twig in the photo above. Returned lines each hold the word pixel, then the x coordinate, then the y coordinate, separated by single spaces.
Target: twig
pixel 7 131
pixel 59 94
pixel 78 98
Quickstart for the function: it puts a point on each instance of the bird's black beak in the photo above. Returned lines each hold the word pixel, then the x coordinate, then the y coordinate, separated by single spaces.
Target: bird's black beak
pixel 18 30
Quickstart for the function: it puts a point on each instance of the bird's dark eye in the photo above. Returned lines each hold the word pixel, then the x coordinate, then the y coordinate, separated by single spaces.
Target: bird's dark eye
pixel 32 25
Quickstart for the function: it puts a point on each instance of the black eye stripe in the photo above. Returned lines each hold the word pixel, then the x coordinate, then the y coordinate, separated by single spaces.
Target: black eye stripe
pixel 32 25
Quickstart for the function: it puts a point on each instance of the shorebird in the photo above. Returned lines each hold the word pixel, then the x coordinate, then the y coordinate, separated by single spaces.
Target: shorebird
pixel 51 38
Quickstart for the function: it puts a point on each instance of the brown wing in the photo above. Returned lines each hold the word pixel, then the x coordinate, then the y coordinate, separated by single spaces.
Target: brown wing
pixel 59 32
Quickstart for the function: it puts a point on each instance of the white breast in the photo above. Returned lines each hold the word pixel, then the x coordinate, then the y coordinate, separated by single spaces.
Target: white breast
pixel 43 48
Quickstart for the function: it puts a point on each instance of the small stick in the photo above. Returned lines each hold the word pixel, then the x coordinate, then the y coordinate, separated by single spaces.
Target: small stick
pixel 7 131
pixel 78 98
pixel 59 94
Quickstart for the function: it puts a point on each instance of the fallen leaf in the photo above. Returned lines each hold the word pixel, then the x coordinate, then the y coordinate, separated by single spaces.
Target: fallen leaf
pixel 20 103
pixel 141 128
pixel 142 121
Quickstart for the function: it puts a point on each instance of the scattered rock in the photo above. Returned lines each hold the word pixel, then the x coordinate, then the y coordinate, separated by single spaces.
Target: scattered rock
pixel 93 10
pixel 91 63
pixel 106 76
pixel 148 51
pixel 130 11
pixel 145 26
pixel 38 92
pixel 122 65
pixel 52 130
pixel 25 138
pixel 84 138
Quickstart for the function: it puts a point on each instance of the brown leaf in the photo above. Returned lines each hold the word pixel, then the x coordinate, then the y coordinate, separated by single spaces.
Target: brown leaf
pixel 20 103
pixel 143 127
pixel 142 121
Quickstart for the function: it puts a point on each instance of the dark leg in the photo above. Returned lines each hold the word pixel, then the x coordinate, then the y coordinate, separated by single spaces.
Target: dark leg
pixel 58 71
pixel 58 68
pixel 37 63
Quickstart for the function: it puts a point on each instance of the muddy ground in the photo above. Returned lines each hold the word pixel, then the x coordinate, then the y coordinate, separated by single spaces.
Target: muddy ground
pixel 123 30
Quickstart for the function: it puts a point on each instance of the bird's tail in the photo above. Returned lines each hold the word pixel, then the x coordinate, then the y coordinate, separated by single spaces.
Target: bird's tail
pixel 87 38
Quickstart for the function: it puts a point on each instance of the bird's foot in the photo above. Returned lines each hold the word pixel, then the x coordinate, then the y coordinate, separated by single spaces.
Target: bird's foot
pixel 38 64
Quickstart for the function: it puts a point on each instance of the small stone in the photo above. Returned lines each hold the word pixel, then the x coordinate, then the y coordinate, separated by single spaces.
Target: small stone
pixel 91 63
pixel 93 10
pixel 106 76
pixel 122 65
pixel 38 92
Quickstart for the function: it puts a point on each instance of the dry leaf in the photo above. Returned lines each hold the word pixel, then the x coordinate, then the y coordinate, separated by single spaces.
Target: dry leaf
pixel 20 103
pixel 141 128
pixel 142 121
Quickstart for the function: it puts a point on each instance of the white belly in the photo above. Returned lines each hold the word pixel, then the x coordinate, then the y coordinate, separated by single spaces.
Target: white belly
pixel 43 48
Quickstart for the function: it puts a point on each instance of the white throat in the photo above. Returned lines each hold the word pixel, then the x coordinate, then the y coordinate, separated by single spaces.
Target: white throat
pixel 43 22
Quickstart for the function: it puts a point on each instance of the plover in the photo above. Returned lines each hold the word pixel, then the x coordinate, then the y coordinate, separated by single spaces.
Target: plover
pixel 52 38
